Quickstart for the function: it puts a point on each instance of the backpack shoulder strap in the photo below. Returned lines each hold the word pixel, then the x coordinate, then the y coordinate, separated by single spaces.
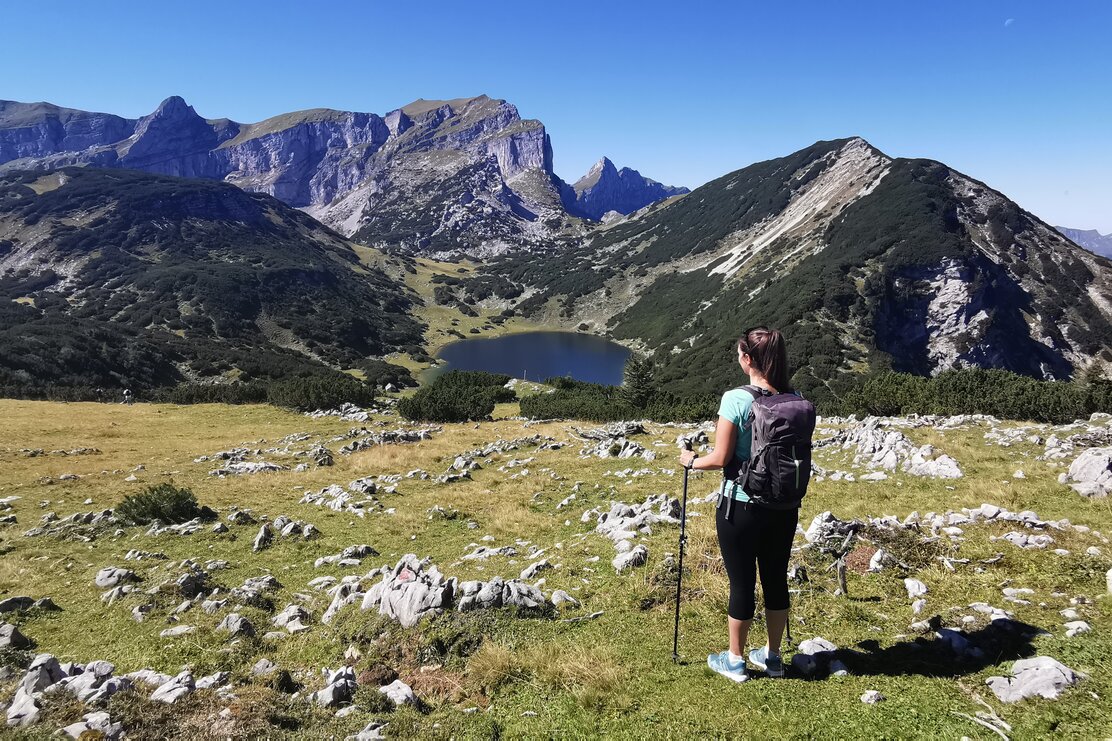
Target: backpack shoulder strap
pixel 756 392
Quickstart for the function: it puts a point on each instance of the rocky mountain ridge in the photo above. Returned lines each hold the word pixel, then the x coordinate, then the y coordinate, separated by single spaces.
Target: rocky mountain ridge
pixel 467 175
pixel 867 261
pixel 870 261
pixel 1090 239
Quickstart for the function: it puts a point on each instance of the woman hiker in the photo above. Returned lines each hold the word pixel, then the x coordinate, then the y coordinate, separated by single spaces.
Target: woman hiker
pixel 750 536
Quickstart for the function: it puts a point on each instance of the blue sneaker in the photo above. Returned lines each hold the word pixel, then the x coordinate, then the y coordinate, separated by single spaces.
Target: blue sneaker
pixel 773 666
pixel 720 662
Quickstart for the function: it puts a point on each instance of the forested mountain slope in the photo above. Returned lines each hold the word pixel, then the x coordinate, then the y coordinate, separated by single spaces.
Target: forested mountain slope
pixel 115 277
pixel 865 261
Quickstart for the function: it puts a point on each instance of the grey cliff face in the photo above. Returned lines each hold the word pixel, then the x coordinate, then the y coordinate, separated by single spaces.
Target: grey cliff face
pixel 33 130
pixel 309 163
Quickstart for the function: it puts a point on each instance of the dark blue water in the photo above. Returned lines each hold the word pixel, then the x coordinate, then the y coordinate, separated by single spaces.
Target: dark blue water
pixel 538 355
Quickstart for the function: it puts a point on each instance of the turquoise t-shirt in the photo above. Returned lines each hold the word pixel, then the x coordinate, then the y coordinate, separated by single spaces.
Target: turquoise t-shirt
pixel 735 408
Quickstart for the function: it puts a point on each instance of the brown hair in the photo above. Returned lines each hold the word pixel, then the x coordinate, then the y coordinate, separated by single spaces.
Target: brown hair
pixel 768 355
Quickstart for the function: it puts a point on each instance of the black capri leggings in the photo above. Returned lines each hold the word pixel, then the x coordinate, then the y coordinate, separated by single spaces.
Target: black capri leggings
pixel 755 537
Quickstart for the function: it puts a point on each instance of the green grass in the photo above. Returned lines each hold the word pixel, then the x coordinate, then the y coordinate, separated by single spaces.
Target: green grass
pixel 441 321
pixel 611 676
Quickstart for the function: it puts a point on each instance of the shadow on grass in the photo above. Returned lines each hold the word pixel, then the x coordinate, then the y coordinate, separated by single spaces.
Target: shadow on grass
pixel 948 653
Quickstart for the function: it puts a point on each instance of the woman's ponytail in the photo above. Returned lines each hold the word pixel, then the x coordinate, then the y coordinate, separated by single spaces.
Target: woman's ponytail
pixel 769 355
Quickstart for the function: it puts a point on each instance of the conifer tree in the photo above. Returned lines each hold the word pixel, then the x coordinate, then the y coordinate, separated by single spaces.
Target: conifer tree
pixel 638 384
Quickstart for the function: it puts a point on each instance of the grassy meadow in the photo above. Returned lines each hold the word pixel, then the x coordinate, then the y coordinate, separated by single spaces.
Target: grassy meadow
pixel 492 674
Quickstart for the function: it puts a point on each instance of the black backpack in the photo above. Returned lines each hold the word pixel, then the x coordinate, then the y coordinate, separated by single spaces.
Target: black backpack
pixel 779 469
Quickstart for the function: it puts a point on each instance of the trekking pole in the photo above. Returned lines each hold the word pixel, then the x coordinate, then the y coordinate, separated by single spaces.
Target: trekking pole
pixel 679 573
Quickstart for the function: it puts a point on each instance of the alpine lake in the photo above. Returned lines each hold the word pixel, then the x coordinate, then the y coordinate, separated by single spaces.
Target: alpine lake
pixel 536 356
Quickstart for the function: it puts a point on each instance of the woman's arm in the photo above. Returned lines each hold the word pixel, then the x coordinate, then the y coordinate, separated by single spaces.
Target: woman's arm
pixel 725 440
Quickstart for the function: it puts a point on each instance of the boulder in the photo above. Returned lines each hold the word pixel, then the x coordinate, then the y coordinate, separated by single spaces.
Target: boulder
pixel 534 569
pixel 177 630
pixel 482 552
pixel 1040 676
pixel 338 690
pixel 95 725
pixel 880 559
pixel 111 576
pixel 560 597
pixel 409 592
pixel 474 595
pixel 10 637
pixel 263 539
pixel 175 689
pixel 915 588
pixel 292 619
pixel 399 693
pixel 1091 472
pixel 24 709
pixel 829 534
pixel 630 559
pixel 371 732
pixel 15 604
pixel 237 625
pixel 212 681
pixel 517 593
pixel 149 677
pixel 253 590
pixel 816 656
pixel 1076 628
pixel 239 468
pixel 264 668
pixel 95 683
pixel 43 672
pixel 241 517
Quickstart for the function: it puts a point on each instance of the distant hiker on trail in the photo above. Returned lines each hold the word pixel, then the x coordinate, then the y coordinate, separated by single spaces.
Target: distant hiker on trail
pixel 763 446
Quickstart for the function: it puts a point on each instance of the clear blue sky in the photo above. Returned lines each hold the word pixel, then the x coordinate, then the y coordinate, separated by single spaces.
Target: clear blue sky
pixel 1017 93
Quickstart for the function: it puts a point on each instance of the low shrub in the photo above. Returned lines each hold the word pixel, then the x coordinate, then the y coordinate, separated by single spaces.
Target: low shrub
pixel 320 392
pixel 438 404
pixel 212 393
pixel 379 373
pixel 598 403
pixel 457 396
pixel 165 503
pixel 975 391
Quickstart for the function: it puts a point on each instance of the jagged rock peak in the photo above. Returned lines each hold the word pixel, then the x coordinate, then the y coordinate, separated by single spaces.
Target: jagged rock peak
pixel 593 175
pixel 173 107
pixel 605 188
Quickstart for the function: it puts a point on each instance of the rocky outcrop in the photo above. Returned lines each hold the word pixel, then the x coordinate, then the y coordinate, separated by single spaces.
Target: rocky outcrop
pixel 878 447
pixel 1091 472
pixel 410 591
pixel 605 188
